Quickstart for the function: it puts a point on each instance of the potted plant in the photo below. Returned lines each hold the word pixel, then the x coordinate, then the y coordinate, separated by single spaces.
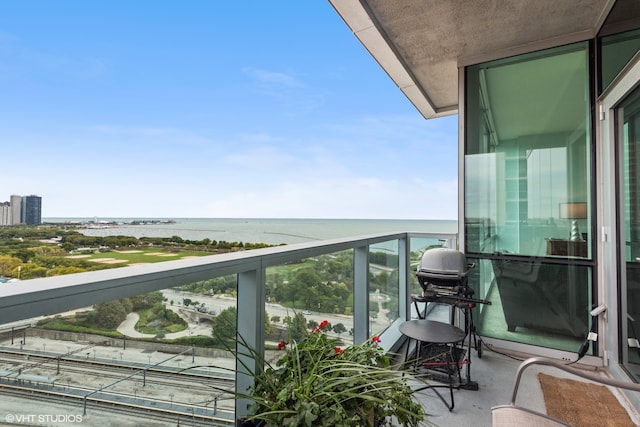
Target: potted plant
pixel 318 383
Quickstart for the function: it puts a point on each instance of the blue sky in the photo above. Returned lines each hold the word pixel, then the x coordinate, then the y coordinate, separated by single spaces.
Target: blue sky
pixel 211 109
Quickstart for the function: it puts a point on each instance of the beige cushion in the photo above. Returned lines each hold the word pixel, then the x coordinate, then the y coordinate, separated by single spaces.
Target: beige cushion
pixel 512 416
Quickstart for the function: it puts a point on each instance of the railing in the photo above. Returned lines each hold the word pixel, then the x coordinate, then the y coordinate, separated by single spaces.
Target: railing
pixel 43 297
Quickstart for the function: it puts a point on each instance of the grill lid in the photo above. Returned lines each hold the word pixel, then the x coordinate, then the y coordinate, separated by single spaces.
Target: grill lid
pixel 444 263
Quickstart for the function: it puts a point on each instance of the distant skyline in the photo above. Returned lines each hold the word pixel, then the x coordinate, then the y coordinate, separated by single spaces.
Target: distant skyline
pixel 206 109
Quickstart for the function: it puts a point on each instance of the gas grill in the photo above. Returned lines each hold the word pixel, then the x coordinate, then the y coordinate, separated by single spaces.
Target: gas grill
pixel 443 273
pixel 443 276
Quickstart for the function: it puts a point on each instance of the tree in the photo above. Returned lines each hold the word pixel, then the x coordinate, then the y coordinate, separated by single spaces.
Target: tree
pixel 148 300
pixel 24 254
pixel 302 288
pixel 127 304
pixel 109 314
pixel 8 264
pixel 68 246
pixel 297 327
pixel 30 271
pixel 339 329
pixel 268 327
pixel 63 270
pixel 307 279
pixel 224 326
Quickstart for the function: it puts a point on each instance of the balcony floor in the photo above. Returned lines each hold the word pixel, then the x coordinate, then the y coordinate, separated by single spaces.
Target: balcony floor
pixel 495 375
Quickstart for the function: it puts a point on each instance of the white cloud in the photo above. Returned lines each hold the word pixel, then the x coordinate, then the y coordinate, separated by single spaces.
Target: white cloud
pixel 290 94
pixel 272 78
pixel 261 159
pixel 154 135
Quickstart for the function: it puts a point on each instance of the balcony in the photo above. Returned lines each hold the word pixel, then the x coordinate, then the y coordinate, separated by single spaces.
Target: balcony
pixel 83 375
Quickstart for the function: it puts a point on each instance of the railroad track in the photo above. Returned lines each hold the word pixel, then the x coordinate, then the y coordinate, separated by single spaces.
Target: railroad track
pixel 113 377
pixel 139 408
pixel 39 359
pixel 153 376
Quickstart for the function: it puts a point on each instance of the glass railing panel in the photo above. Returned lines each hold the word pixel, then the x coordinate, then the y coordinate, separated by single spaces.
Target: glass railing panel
pixel 210 308
pixel 430 310
pixel 533 302
pixel 303 293
pixel 176 324
pixel 153 350
pixel 384 286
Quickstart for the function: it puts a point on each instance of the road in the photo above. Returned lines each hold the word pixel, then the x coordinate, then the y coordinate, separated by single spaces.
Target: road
pixel 220 303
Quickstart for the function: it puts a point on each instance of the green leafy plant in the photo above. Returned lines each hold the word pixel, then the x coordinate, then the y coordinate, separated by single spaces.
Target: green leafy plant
pixel 318 383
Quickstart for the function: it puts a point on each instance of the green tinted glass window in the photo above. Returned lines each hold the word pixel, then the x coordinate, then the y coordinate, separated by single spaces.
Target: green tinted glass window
pixel 527 157
pixel 616 51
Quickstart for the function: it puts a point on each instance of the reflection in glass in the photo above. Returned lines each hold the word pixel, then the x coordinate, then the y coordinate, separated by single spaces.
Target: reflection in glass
pixel 616 51
pixel 629 150
pixel 536 303
pixel 526 153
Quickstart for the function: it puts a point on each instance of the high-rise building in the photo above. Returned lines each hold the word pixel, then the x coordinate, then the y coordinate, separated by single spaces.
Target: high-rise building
pixel 16 209
pixel 5 213
pixel 21 210
pixel 32 210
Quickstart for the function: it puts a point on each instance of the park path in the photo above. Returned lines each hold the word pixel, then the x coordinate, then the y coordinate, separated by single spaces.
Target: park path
pixel 128 328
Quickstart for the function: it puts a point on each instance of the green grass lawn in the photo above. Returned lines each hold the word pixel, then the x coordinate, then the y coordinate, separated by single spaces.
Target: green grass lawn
pixel 149 322
pixel 137 256
pixel 287 270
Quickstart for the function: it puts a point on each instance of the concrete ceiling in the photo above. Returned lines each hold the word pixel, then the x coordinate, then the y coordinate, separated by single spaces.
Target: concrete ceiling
pixel 422 43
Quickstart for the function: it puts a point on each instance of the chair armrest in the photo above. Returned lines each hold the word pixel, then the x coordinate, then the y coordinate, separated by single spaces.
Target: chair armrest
pixel 513 415
pixel 510 416
pixel 628 385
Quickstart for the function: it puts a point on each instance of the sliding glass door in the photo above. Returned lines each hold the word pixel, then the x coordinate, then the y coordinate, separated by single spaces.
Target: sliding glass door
pixel 628 145
pixel 528 196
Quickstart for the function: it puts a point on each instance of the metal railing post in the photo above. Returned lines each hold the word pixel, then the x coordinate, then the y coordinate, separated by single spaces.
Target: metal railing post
pixel 361 294
pixel 250 309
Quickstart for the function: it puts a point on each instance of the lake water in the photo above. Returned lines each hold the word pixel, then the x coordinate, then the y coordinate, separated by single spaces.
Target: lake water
pixel 256 230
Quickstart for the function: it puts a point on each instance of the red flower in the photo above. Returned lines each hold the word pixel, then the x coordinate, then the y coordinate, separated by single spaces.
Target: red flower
pixel 320 327
pixel 375 339
pixel 282 344
pixel 339 350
